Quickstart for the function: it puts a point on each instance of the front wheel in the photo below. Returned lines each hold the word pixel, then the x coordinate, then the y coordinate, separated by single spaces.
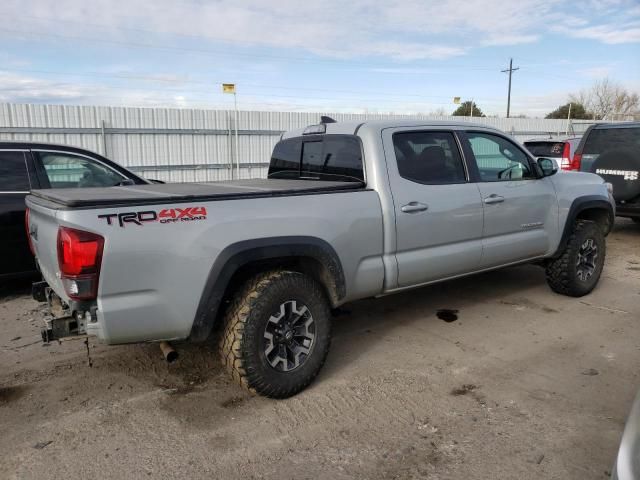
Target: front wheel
pixel 577 271
pixel 277 333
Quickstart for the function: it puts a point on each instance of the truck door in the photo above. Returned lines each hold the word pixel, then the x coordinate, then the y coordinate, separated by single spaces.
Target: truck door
pixel 520 209
pixel 438 211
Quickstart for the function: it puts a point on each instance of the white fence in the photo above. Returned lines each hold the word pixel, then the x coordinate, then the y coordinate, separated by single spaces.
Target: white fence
pixel 187 145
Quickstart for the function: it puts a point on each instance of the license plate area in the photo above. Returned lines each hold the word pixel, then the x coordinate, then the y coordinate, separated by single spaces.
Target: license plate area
pixel 60 323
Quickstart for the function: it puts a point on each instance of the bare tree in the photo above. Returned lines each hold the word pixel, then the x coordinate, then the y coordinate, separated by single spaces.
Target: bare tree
pixel 438 112
pixel 607 100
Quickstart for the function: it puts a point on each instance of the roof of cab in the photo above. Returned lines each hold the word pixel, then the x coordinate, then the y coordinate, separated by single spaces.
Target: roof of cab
pixel 351 127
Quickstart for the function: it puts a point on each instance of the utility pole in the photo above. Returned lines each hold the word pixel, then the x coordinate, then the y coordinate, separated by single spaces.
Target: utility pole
pixel 231 88
pixel 510 70
pixel 235 104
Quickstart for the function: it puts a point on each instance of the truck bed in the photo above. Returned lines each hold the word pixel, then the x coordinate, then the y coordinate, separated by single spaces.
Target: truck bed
pixel 81 198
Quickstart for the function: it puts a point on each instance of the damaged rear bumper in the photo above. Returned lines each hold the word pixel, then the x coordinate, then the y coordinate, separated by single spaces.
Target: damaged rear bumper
pixel 63 320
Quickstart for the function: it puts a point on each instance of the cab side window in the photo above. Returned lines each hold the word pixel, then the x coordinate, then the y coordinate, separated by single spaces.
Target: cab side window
pixel 498 159
pixel 430 158
pixel 13 172
pixel 66 170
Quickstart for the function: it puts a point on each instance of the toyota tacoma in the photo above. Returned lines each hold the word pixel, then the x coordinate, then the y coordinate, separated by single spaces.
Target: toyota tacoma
pixel 348 211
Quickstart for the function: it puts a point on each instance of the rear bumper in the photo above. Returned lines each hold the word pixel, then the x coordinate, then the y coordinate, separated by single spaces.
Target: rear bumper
pixel 63 320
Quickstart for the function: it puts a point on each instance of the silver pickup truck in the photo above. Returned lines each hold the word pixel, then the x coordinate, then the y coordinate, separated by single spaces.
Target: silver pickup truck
pixel 348 211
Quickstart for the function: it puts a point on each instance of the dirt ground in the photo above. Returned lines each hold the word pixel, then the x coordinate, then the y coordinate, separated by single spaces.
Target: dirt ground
pixel 525 384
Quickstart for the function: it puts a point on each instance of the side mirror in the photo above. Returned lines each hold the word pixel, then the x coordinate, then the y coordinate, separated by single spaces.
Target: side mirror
pixel 548 166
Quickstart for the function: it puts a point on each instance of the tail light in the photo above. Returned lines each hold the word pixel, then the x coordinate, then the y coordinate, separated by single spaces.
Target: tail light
pixel 79 259
pixel 27 216
pixel 575 163
pixel 566 157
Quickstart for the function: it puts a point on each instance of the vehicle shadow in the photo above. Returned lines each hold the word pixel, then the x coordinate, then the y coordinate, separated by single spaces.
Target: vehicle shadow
pixel 626 227
pixel 10 289
pixel 368 322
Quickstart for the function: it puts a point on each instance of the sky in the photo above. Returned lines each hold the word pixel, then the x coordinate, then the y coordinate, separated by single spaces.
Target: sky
pixel 408 56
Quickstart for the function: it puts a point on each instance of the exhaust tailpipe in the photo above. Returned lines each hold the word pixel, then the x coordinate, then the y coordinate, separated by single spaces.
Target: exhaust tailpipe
pixel 170 355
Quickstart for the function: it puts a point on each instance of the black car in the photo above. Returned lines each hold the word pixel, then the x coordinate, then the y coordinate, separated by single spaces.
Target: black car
pixel 25 166
pixel 612 150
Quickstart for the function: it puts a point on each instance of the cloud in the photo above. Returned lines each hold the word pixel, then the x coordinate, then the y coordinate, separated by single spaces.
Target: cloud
pixel 17 88
pixel 402 30
pixel 25 89
pixel 610 22
pixel 596 72
pixel 611 34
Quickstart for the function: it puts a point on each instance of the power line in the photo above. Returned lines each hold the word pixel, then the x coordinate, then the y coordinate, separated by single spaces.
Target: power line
pixel 510 70
pixel 184 81
pixel 395 97
pixel 383 98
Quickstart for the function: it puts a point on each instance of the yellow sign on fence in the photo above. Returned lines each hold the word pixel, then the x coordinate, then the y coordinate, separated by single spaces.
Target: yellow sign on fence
pixel 228 88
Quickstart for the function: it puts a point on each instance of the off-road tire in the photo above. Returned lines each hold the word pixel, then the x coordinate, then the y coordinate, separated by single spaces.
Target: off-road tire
pixel 561 272
pixel 242 343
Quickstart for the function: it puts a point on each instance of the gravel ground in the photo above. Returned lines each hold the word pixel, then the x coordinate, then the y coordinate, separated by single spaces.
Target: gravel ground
pixel 524 384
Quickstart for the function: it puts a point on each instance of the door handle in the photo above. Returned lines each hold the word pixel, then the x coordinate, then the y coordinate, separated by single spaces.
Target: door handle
pixel 493 198
pixel 414 207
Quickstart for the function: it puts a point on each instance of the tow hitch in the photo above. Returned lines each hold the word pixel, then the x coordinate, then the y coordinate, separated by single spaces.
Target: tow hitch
pixel 61 327
pixel 60 322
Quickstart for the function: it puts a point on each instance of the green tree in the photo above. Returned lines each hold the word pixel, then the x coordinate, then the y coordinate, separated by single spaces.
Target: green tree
pixel 577 111
pixel 464 110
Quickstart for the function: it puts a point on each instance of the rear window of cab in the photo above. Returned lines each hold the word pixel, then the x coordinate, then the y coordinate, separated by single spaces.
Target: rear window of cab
pixel 318 157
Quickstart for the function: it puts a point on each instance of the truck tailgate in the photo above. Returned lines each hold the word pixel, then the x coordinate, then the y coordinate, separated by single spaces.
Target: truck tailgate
pixel 43 230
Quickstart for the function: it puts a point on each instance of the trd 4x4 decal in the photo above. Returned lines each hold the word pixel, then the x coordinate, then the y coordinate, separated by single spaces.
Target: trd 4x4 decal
pixel 166 215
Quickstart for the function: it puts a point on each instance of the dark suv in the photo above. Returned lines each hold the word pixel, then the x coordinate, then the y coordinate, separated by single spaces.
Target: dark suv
pixel 26 166
pixel 612 150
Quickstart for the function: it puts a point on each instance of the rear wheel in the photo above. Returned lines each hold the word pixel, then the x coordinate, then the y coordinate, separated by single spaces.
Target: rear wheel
pixel 577 271
pixel 277 333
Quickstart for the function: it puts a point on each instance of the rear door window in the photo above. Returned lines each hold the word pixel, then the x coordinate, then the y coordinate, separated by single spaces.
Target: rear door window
pixel 67 170
pixel 13 172
pixel 428 157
